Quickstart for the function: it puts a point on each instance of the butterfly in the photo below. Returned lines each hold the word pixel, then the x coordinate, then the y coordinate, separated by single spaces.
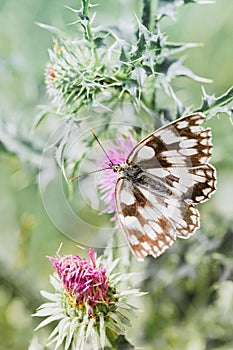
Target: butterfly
pixel 161 181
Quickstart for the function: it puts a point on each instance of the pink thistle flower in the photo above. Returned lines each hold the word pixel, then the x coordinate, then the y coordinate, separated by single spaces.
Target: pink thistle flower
pixel 118 152
pixel 84 283
pixel 88 305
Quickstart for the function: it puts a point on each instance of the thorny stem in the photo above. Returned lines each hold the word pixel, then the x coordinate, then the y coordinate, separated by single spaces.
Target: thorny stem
pixel 221 101
pixel 88 31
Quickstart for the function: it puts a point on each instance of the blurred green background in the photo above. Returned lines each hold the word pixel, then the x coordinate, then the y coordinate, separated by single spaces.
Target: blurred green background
pixel 27 234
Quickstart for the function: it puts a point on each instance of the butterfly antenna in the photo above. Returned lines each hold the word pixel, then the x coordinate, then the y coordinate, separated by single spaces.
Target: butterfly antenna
pixel 90 172
pixel 101 146
pixel 98 170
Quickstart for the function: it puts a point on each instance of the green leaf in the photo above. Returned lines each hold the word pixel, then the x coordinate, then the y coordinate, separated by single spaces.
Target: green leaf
pixel 54 334
pixel 41 117
pixel 172 48
pixel 141 46
pixel 129 292
pixel 180 108
pixel 128 313
pixel 50 319
pixel 54 340
pixel 63 330
pixel 80 337
pixel 125 306
pixel 99 42
pixel 90 326
pixel 50 28
pixel 56 283
pixel 102 329
pixel 114 327
pixel 49 305
pixel 94 339
pixel 165 8
pixel 14 139
pixel 123 343
pixel 200 2
pixel 112 266
pixel 70 334
pixel 48 311
pixel 123 57
pixel 140 75
pixel 124 319
pixel 49 296
pixel 177 69
pixel 62 146
pixel 115 317
pixel 119 276
pixel 72 9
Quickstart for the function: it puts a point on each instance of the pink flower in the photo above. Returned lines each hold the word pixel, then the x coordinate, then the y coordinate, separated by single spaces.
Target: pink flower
pixel 88 305
pixel 118 152
pixel 85 283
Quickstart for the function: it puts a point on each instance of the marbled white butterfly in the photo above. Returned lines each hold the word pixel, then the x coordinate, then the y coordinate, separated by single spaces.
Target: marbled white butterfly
pixel 162 179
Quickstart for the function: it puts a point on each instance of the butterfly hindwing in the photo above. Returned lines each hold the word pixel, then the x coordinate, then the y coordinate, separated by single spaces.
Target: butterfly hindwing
pixel 151 222
pixel 195 184
pixel 147 232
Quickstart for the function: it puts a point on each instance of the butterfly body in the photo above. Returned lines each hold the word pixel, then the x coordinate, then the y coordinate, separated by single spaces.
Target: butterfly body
pixel 137 177
pixel 160 182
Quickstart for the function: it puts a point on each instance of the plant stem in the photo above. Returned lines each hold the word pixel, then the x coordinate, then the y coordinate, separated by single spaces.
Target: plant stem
pixel 88 31
pixel 221 101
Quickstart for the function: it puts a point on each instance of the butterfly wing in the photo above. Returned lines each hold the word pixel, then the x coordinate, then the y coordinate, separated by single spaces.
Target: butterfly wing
pixel 151 222
pixel 177 155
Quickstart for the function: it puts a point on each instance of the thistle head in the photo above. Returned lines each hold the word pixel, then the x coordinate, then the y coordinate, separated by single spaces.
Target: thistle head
pixel 86 285
pixel 118 151
pixel 88 305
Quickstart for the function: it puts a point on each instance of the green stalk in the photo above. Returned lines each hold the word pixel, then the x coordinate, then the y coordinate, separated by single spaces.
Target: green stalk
pixel 88 31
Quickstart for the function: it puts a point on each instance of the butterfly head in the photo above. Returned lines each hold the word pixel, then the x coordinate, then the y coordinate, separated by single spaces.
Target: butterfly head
pixel 129 171
pixel 117 168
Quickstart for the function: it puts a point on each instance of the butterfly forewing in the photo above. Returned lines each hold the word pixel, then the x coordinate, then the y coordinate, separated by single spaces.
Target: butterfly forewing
pixel 156 206
pixel 183 142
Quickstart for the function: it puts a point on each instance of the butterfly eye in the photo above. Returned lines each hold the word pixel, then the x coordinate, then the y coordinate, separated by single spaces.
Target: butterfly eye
pixel 115 167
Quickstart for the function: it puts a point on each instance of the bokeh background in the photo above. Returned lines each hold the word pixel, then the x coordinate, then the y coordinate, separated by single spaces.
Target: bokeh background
pixel 190 305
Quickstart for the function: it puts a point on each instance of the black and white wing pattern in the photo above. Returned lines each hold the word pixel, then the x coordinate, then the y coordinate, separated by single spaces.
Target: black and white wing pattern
pixel 164 176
